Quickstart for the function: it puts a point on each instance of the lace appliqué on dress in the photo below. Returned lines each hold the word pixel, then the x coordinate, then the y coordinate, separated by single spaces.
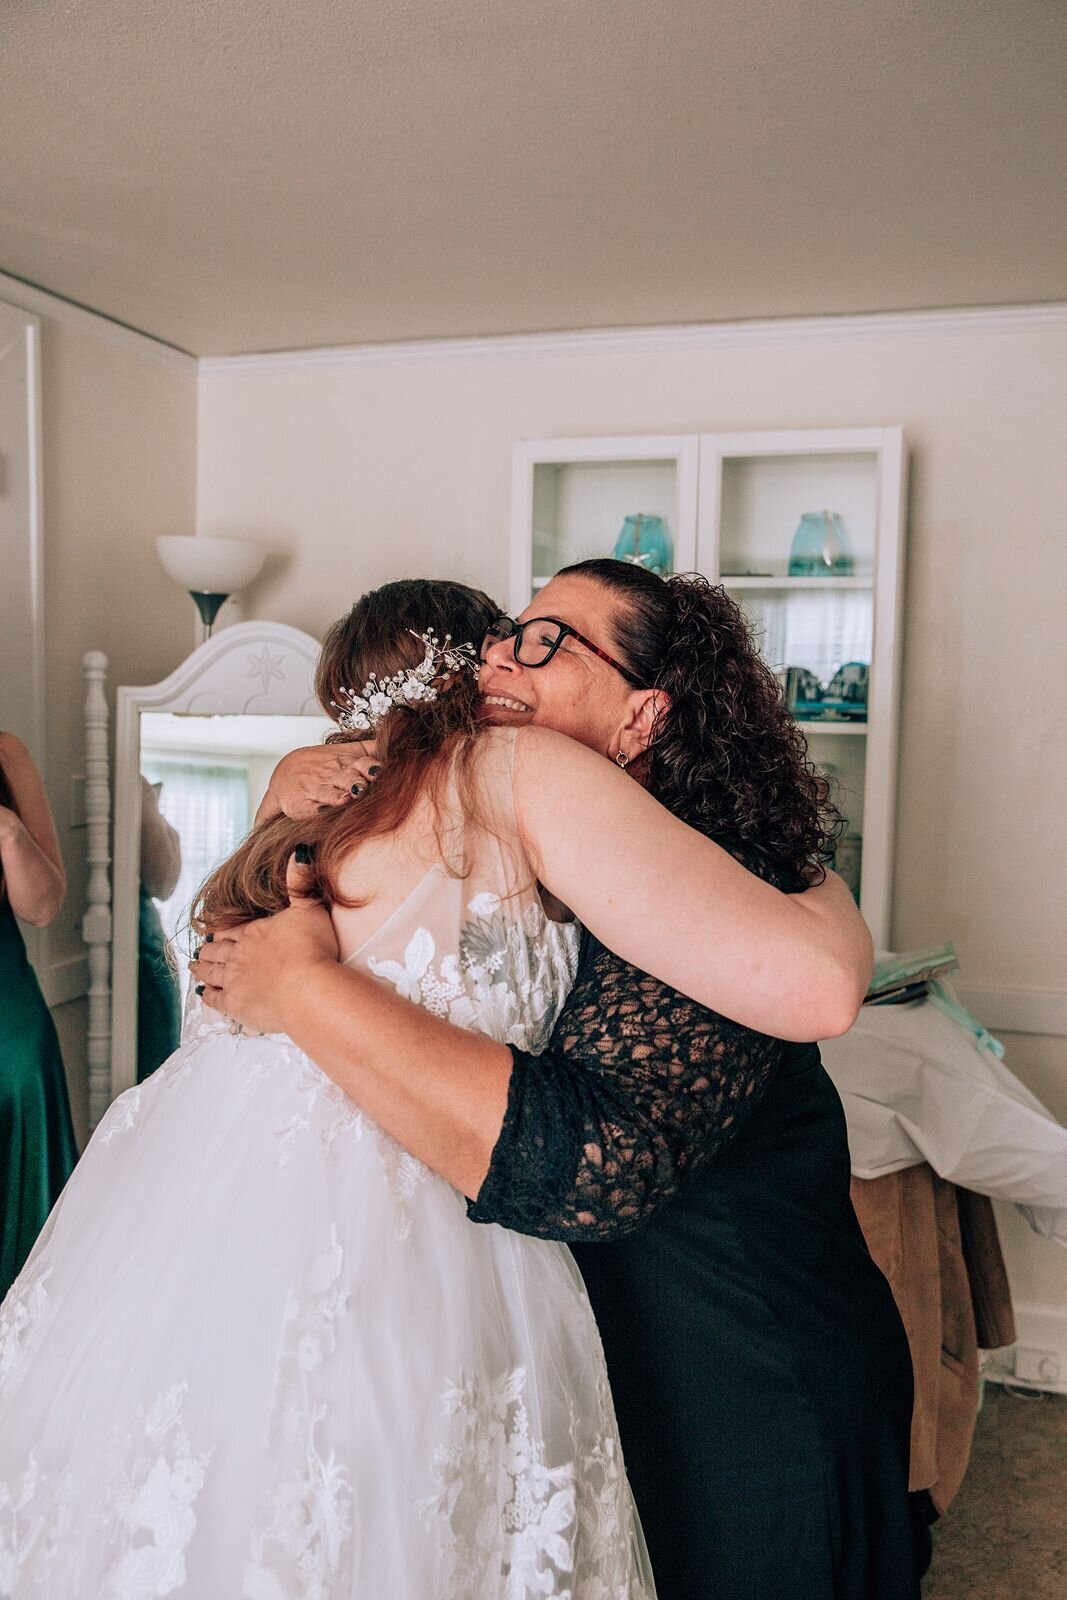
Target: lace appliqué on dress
pixel 323 1102
pixel 121 1116
pixel 24 1309
pixel 506 981
pixel 31 1531
pixel 150 1515
pixel 31 1538
pixel 515 1528
pixel 147 1517
pixel 298 1546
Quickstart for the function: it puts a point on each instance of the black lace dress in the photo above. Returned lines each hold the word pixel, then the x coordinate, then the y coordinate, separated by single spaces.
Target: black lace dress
pixel 760 1369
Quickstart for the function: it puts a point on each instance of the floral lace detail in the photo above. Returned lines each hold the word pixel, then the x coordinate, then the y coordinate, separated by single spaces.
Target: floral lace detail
pixel 605 1514
pixel 519 1548
pixel 516 1527
pixel 121 1115
pixel 307 1519
pixel 23 1310
pixel 406 1175
pixel 319 1093
pixel 518 969
pixel 31 1539
pixel 437 987
pixel 150 1515
pixel 506 980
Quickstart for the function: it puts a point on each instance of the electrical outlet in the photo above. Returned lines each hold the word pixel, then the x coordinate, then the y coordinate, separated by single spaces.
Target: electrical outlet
pixel 1036 1366
pixel 78 819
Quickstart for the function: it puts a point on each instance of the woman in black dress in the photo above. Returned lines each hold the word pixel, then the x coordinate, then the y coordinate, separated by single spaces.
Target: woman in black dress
pixel 760 1371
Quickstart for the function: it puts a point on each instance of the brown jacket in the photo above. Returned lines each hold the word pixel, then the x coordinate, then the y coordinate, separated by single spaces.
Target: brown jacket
pixel 939 1249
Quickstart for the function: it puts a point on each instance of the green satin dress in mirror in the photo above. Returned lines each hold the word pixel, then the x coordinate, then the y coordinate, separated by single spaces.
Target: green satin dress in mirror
pixel 37 1146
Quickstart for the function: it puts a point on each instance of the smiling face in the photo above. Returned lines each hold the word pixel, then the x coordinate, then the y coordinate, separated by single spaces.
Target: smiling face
pixel 575 693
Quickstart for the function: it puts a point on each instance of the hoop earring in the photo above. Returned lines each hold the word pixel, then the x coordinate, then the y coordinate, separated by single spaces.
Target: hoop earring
pixel 622 759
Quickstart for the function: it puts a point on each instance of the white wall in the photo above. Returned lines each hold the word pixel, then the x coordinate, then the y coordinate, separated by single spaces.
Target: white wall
pixel 361 467
pixel 119 467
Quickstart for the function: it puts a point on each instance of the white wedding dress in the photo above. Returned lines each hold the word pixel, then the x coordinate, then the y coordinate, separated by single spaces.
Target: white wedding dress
pixel 259 1351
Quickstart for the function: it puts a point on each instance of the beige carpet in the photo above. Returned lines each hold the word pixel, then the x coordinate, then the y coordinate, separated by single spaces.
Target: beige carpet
pixel 1005 1537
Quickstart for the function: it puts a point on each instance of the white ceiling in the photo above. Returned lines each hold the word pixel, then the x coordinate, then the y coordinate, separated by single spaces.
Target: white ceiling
pixel 246 175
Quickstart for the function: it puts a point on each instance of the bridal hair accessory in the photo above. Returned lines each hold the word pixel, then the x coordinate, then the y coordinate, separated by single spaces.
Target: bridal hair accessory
pixel 378 696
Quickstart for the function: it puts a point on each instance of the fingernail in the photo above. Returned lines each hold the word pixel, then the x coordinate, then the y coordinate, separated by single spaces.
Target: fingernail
pixel 210 939
pixel 200 988
pixel 357 789
pixel 302 855
pixel 374 771
pixel 196 952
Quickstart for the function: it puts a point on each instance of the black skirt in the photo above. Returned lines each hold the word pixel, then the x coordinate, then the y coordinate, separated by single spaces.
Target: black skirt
pixel 760 1369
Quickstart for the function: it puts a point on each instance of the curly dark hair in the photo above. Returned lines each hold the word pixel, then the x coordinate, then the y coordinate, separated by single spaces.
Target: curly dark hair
pixel 726 754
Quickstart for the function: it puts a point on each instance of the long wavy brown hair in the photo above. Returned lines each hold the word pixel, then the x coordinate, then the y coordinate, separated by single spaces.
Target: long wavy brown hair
pixel 726 754
pixel 416 744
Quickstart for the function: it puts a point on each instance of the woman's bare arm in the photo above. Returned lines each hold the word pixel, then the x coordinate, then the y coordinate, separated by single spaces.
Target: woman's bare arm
pixel 29 848
pixel 677 905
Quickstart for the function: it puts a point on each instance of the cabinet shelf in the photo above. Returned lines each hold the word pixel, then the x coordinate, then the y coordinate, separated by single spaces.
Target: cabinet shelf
pixel 832 725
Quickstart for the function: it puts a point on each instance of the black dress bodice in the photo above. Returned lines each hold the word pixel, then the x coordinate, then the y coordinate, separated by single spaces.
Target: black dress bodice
pixel 760 1370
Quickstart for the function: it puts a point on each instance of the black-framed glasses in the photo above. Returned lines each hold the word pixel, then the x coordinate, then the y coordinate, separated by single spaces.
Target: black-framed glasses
pixel 538 639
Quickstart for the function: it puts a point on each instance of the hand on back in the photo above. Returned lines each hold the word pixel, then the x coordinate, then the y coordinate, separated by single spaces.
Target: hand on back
pixel 312 779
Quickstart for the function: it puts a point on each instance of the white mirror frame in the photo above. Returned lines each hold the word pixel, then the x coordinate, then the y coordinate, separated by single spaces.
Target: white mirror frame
pixel 252 668
pixel 22 584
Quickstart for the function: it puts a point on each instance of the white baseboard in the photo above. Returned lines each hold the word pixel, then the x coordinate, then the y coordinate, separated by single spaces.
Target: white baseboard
pixel 1005 1010
pixel 1039 1328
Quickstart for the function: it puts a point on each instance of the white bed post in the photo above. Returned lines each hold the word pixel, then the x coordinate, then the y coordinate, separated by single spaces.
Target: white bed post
pixel 96 927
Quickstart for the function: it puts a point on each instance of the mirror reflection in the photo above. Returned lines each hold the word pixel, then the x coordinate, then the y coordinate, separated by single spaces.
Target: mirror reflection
pixel 202 780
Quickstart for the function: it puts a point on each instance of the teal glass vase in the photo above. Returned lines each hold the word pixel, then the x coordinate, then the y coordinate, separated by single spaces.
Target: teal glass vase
pixel 645 542
pixel 820 547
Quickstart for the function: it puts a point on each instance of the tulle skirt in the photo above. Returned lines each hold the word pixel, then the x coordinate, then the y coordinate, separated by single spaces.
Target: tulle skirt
pixel 260 1351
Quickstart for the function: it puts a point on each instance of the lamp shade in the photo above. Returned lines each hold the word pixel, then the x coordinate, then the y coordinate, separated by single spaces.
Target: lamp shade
pixel 209 566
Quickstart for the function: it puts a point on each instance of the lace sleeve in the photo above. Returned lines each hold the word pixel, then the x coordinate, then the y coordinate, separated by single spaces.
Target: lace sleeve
pixel 638 1087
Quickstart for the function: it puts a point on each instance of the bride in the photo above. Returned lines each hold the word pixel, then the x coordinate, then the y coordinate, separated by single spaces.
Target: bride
pixel 258 1349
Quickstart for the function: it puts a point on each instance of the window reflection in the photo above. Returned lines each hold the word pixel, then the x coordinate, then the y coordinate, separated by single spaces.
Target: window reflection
pixel 202 782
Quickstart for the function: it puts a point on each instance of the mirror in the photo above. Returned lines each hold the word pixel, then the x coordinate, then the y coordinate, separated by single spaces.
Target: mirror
pixel 202 780
pixel 194 755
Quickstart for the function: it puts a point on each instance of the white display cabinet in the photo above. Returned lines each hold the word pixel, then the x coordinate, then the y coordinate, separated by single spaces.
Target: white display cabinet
pixel 732 503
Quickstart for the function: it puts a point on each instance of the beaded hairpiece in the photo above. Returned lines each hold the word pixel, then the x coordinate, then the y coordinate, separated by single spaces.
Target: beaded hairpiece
pixel 378 696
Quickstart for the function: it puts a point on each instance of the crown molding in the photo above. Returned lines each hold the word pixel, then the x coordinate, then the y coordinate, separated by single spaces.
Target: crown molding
pixel 582 341
pixel 615 341
pixel 43 303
